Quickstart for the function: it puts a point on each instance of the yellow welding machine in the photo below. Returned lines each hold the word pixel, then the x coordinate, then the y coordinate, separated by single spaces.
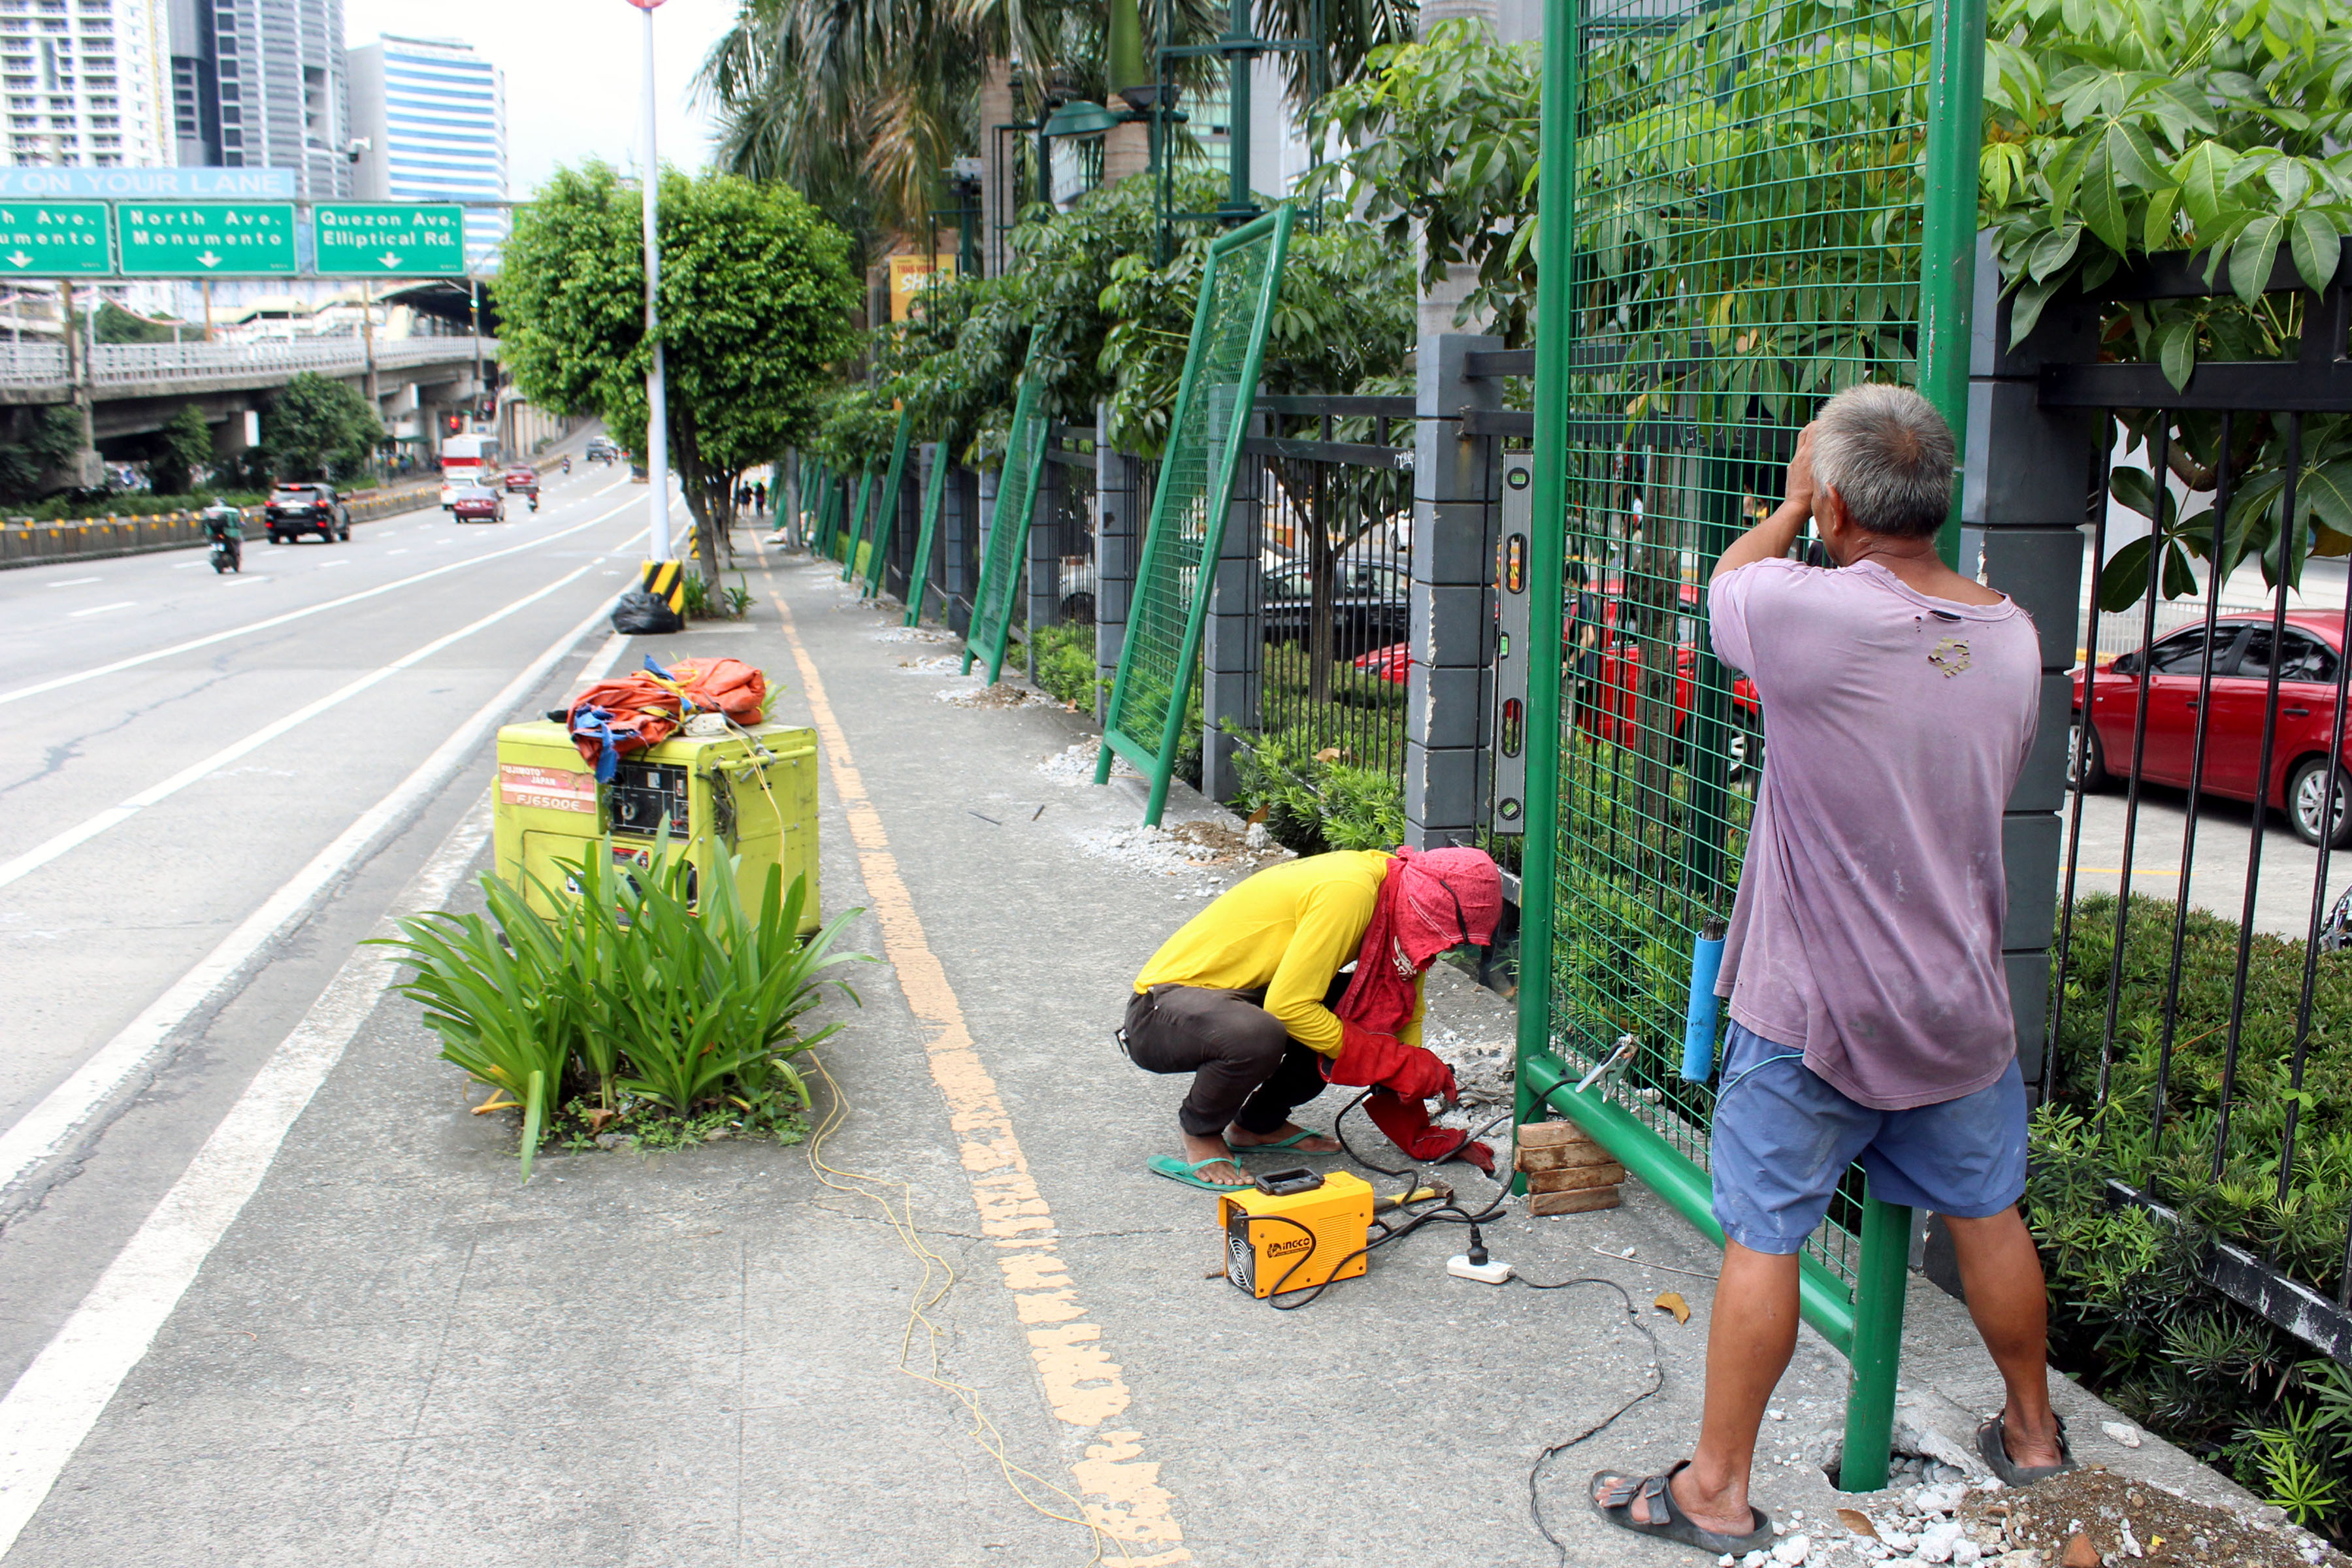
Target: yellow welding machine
pixel 1295 1237
pixel 749 794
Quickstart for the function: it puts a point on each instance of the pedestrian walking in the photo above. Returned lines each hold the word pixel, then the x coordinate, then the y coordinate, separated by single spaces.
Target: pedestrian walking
pixel 760 498
pixel 1870 1015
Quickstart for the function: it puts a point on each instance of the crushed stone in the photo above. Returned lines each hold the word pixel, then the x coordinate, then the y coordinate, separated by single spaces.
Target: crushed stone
pixel 2115 1515
pixel 913 633
pixel 1004 694
pixel 939 664
pixel 1206 855
pixel 1076 764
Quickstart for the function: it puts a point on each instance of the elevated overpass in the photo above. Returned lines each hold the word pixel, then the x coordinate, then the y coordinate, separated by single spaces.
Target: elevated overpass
pixel 138 389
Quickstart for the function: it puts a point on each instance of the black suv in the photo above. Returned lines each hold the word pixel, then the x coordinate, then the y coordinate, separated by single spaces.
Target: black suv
pixel 297 509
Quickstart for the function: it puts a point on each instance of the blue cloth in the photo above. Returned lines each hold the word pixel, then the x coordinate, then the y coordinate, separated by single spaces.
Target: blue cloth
pixel 596 724
pixel 1783 1137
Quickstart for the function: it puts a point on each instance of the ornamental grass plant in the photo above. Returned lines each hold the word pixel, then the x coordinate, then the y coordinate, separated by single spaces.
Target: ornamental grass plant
pixel 655 997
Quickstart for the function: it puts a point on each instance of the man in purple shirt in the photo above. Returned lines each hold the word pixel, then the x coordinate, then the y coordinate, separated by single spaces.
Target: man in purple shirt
pixel 1870 1015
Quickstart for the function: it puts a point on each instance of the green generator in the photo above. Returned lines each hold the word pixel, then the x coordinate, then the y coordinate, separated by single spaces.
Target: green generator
pixel 748 796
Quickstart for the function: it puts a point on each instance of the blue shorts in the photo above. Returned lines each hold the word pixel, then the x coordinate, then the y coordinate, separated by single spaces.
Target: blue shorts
pixel 1783 1137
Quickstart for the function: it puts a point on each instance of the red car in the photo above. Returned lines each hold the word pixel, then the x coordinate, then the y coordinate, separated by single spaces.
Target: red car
pixel 2167 676
pixel 479 503
pixel 522 477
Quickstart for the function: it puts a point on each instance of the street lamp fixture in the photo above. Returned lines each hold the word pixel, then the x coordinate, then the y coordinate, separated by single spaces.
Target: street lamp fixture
pixel 1082 117
pixel 657 544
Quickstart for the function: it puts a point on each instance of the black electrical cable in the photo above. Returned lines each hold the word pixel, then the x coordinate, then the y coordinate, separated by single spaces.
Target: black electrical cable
pixel 1657 1382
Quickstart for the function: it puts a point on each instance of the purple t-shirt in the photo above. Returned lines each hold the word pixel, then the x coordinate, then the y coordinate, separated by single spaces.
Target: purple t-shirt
pixel 1867 929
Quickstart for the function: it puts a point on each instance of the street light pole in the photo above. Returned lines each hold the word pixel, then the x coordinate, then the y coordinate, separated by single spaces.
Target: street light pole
pixel 656 389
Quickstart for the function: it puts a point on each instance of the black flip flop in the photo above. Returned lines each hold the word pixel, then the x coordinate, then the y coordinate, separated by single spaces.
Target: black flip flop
pixel 1658 1492
pixel 1992 1447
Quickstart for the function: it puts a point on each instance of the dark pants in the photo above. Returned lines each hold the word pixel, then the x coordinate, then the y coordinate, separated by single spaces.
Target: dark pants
pixel 1247 1069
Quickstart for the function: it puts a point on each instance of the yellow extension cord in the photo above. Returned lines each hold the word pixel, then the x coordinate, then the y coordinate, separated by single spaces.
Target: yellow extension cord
pixel 983 1431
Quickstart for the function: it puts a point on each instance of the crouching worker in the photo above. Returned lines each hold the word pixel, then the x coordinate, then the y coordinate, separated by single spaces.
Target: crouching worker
pixel 1254 997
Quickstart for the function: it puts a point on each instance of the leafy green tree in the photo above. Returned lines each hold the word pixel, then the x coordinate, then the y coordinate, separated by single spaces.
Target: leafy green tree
pixel 756 302
pixel 319 428
pixel 117 325
pixel 185 446
pixel 38 441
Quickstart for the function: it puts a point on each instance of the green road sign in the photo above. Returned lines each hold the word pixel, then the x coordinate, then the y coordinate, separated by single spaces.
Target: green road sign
pixel 53 239
pixel 389 239
pixel 205 239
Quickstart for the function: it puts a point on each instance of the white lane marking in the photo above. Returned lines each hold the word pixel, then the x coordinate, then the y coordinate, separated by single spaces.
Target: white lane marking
pixel 20 693
pixel 238 581
pixel 59 1119
pixel 189 565
pixel 81 832
pixel 402 550
pixel 101 609
pixel 75 581
pixel 330 566
pixel 59 1397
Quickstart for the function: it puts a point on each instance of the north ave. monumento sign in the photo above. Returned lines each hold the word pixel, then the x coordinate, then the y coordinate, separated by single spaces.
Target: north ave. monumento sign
pixel 388 239
pixel 206 240
pixel 54 239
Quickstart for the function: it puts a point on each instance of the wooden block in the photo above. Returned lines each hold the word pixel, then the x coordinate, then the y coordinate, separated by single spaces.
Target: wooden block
pixel 1551 1134
pixel 1576 1178
pixel 1562 1157
pixel 1573 1202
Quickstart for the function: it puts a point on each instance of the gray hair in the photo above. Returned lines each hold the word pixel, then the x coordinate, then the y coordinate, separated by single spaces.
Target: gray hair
pixel 1888 455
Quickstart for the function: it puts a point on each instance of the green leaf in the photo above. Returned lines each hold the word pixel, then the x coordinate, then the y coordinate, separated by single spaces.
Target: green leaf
pixel 2326 489
pixel 2176 351
pixel 2318 249
pixel 2289 178
pixel 2202 171
pixel 2252 256
pixel 2157 231
pixel 2133 157
pixel 2122 581
pixel 2100 201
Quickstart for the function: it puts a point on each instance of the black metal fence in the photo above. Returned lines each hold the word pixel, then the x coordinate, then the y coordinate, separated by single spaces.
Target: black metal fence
pixel 2199 1054
pixel 1335 498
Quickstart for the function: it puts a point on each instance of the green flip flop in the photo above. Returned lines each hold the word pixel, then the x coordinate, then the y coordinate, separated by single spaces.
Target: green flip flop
pixel 1293 1141
pixel 1176 1170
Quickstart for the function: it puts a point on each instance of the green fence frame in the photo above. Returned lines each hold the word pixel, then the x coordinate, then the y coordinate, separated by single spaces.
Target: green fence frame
pixel 1660 181
pixel 1145 720
pixel 919 574
pixel 885 510
pixel 851 561
pixel 1008 527
pixel 829 515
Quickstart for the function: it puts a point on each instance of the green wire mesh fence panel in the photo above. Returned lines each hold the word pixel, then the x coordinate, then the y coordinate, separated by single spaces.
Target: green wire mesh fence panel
pixel 829 526
pixel 886 511
pixel 919 574
pixel 1008 529
pixel 1146 716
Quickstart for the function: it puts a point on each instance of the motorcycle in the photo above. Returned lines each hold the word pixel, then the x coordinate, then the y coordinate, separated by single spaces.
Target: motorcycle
pixel 228 554
pixel 534 498
pixel 567 465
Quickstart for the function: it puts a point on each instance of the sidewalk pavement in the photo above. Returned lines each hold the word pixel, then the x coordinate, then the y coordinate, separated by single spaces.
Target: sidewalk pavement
pixel 726 1355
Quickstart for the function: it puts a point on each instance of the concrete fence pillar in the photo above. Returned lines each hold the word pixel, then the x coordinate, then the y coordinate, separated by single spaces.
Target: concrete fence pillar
pixel 1118 536
pixel 1449 687
pixel 1232 644
pixel 2024 499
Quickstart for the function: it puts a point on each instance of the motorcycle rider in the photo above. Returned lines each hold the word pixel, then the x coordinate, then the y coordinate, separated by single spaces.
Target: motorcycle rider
pixel 225 526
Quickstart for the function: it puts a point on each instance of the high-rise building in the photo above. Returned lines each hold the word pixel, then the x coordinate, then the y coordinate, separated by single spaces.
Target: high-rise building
pixel 434 113
pixel 84 82
pixel 262 84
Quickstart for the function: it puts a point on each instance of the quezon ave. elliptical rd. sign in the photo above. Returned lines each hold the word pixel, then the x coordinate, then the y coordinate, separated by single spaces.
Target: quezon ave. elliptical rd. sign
pixel 205 239
pixel 389 239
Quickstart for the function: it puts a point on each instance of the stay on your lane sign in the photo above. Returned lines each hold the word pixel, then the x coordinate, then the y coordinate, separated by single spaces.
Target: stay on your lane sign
pixel 206 240
pixel 387 239
pixel 54 239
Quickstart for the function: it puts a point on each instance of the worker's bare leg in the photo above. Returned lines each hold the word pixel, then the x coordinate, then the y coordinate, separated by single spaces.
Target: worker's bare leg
pixel 2002 1274
pixel 1750 1339
pixel 1224 1171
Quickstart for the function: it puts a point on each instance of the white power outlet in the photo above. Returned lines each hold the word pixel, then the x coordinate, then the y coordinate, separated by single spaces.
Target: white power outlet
pixel 1492 1272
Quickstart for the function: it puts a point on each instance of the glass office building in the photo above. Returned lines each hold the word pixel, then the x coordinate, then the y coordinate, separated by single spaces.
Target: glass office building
pixel 434 113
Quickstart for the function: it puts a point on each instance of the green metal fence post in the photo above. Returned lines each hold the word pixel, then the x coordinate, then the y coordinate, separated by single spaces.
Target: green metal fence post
pixel 1947 234
pixel 1548 547
pixel 886 509
pixel 1882 1276
pixel 857 524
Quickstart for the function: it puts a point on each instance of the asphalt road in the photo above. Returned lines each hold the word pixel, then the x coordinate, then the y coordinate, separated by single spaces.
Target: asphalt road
pixel 216 785
pixel 2218 874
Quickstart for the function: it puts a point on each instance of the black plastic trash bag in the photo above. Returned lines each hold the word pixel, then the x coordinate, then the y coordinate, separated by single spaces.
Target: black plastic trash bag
pixel 639 613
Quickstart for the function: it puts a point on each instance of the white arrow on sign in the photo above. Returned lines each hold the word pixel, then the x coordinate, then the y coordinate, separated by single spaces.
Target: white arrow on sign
pixel 20 260
pixel 210 259
pixel 391 259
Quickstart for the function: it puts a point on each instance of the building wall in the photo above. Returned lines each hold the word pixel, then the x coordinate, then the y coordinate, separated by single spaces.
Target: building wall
pixel 263 84
pixel 435 114
pixel 84 81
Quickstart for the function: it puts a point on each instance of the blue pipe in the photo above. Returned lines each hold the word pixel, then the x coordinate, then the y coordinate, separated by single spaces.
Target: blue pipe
pixel 1698 1035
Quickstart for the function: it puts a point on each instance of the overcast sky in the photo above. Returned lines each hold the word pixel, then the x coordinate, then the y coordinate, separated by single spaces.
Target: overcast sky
pixel 574 70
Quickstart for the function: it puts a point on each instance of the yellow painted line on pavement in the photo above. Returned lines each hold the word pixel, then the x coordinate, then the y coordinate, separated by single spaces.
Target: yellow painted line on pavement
pixel 1121 1488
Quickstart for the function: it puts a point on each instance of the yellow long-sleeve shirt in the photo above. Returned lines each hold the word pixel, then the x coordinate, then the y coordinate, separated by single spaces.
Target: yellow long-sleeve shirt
pixel 1287 931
